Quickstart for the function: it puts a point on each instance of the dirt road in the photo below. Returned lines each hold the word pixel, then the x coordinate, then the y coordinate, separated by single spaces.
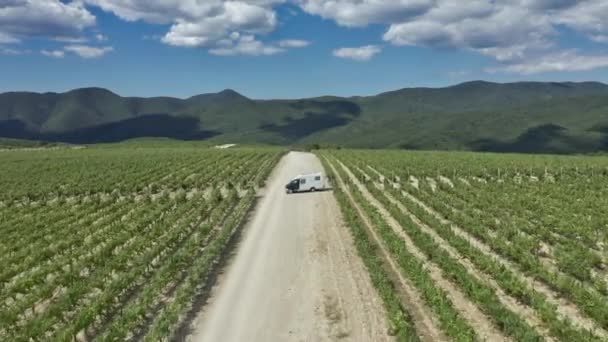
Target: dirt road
pixel 296 275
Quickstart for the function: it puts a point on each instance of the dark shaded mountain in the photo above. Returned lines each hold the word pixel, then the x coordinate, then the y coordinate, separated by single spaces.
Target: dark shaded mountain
pixel 515 117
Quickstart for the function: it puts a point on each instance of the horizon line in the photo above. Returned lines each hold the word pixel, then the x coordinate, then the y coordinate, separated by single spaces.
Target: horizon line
pixel 297 98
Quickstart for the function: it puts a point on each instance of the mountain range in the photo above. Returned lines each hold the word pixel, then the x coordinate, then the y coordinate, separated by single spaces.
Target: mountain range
pixel 546 117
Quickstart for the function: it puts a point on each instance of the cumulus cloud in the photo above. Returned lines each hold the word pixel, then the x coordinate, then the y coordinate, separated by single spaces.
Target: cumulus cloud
pixel 600 38
pixel 53 53
pixel 11 51
pixel 198 23
pixel 551 4
pixel 157 11
pixel 364 12
pixel 510 31
pixel 21 19
pixel 588 17
pixel 86 51
pixel 363 53
pixel 503 32
pixel 245 45
pixel 293 43
pixel 72 40
pixel 225 28
pixel 7 39
pixel 229 16
pixel 100 37
pixel 569 60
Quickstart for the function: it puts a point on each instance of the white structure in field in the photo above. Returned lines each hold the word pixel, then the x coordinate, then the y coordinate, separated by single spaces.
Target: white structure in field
pixel 225 146
pixel 308 182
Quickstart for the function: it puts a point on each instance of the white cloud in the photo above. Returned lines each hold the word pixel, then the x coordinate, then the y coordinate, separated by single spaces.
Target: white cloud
pixel 293 43
pixel 71 40
pixel 230 16
pixel 86 51
pixel 11 51
pixel 20 19
pixel 550 4
pixel 363 53
pixel 600 38
pixel 100 37
pixel 363 12
pixel 197 23
pixel 589 17
pixel 509 31
pixel 570 60
pixel 226 28
pixel 7 39
pixel 53 53
pixel 246 45
pixel 500 31
pixel 157 11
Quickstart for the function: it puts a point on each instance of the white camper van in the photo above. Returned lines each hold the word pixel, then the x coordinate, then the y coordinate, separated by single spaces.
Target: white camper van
pixel 309 182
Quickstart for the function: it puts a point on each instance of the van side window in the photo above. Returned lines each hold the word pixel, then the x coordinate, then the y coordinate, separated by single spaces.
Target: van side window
pixel 317 178
pixel 302 181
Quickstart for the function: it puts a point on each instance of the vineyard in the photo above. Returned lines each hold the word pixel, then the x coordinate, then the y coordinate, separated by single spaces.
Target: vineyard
pixel 464 246
pixel 122 242
pixel 116 243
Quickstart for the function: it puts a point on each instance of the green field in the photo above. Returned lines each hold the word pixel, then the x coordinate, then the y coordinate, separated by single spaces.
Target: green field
pixel 523 238
pixel 114 242
pixel 117 241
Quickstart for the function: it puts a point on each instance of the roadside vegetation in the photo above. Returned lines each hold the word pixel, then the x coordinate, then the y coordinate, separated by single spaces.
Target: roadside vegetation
pixel 115 242
pixel 513 246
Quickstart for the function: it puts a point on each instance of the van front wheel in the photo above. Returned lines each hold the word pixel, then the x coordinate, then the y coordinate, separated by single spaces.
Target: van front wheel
pixel 312 189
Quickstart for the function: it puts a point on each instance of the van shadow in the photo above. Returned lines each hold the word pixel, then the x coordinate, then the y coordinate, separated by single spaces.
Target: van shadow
pixel 310 192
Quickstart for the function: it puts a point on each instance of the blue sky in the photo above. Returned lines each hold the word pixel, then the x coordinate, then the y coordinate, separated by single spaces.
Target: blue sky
pixel 296 48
